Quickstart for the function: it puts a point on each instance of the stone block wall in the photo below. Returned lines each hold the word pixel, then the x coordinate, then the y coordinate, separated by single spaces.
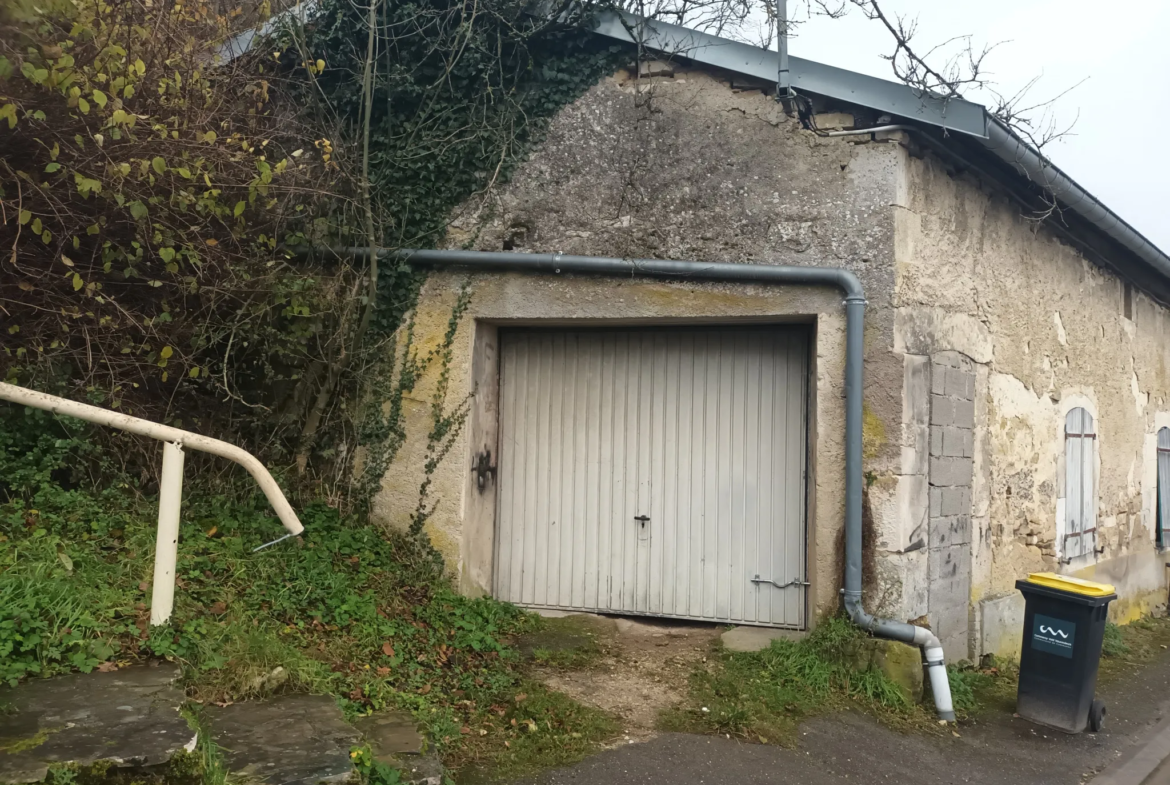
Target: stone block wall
pixel 952 467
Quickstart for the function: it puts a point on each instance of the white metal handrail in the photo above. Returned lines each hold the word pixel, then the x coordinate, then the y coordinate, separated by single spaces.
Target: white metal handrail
pixel 170 496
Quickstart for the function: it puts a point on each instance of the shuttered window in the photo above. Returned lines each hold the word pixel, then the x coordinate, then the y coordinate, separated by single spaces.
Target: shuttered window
pixel 1163 487
pixel 1080 497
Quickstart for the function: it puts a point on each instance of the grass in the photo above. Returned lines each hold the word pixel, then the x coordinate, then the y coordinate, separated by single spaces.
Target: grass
pixel 576 642
pixel 344 610
pixel 763 696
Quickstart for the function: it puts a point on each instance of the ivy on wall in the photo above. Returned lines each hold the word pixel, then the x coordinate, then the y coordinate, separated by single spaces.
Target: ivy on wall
pixel 462 91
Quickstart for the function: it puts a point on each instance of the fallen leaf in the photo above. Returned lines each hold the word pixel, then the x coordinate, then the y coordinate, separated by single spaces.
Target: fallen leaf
pixel 483 731
pixel 107 667
pixel 143 586
pixel 520 696
pixel 507 743
pixel 387 649
pixel 383 671
pixel 466 731
pixel 211 532
pixel 425 689
pixel 218 608
pixel 211 242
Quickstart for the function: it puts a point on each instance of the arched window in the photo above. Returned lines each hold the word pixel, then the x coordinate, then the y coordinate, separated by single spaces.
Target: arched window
pixel 1080 487
pixel 1163 503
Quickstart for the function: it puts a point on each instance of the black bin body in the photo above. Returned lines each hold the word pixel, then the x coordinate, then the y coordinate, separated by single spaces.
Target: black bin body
pixel 1063 632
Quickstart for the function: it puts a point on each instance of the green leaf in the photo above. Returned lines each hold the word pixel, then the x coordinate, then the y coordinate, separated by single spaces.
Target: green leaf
pixel 8 112
pixel 93 229
pixel 25 217
pixel 167 254
pixel 50 168
pixel 77 282
pixel 36 226
pixel 138 210
pixel 66 562
pixel 194 372
pixel 184 173
pixel 83 105
pixel 166 353
pixel 240 207
pixel 159 164
pixel 99 98
pixel 5 67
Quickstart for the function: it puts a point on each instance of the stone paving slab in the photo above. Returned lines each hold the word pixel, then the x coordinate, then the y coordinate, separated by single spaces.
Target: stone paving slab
pixel 129 717
pixel 288 740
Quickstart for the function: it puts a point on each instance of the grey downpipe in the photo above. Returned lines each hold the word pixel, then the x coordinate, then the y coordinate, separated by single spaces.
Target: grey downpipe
pixel 845 280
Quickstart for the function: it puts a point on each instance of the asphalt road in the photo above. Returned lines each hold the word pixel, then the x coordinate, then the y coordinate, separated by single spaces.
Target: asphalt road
pixel 850 748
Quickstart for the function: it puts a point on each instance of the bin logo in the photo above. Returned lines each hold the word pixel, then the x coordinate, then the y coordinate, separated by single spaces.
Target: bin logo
pixel 1054 636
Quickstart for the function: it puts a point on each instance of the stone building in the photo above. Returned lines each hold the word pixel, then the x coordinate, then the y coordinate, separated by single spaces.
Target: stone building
pixel 676 447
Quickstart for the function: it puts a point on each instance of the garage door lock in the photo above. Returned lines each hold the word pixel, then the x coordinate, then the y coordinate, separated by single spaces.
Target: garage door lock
pixel 642 519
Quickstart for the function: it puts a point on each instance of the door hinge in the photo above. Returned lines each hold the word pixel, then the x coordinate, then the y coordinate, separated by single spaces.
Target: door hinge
pixel 483 468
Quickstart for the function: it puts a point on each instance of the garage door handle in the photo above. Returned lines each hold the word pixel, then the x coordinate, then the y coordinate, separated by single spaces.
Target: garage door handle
pixel 642 519
pixel 793 582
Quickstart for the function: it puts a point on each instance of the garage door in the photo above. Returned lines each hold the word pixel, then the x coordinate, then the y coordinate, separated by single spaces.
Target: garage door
pixel 656 472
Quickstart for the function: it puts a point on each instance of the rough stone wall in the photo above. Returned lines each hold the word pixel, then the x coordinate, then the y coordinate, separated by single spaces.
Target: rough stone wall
pixel 684 167
pixel 1043 331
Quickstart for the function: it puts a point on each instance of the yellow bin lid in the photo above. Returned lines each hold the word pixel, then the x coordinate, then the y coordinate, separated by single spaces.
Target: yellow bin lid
pixel 1068 583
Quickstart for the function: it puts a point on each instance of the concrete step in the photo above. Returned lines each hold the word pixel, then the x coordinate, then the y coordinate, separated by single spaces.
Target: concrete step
pixel 129 717
pixel 305 740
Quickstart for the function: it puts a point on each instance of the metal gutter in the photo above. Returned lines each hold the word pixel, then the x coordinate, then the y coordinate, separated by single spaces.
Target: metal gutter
pixel 953 114
pixel 558 264
pixel 1004 144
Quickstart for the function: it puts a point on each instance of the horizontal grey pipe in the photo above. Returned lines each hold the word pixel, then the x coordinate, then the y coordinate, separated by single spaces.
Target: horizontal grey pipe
pixel 1008 147
pixel 556 264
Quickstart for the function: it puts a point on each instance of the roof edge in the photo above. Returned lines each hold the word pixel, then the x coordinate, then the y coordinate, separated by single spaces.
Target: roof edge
pixel 952 114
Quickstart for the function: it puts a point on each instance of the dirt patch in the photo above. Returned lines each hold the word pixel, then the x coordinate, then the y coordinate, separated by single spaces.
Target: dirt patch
pixel 640 669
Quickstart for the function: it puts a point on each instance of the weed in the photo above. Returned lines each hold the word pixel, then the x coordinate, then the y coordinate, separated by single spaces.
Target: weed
pixel 536 729
pixel 764 695
pixel 344 610
pixel 1114 644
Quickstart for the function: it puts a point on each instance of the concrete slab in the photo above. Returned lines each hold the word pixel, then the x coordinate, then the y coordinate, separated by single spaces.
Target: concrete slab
pixel 289 740
pixel 128 717
pixel 395 740
pixel 757 638
pixel 1002 625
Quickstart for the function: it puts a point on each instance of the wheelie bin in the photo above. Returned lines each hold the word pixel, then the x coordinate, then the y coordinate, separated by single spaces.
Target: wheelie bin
pixel 1064 626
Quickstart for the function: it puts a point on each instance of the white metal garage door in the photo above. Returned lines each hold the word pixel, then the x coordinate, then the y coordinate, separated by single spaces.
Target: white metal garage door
pixel 654 472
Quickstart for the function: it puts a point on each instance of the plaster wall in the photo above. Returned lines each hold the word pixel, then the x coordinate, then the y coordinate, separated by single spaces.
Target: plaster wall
pixel 685 167
pixel 1046 331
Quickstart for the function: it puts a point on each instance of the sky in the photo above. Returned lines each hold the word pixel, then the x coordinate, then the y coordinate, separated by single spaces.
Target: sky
pixel 1119 148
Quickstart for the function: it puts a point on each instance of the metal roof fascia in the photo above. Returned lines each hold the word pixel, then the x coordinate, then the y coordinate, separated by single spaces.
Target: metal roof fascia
pixel 1013 150
pixel 954 114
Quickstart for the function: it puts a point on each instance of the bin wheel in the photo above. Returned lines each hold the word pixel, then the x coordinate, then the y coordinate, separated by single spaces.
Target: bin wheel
pixel 1096 716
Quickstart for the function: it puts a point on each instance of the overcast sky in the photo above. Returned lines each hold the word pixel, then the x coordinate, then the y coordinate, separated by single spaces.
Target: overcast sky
pixel 1119 147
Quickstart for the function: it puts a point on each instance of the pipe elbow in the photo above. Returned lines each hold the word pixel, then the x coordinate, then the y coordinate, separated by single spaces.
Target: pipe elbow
pixel 851 284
